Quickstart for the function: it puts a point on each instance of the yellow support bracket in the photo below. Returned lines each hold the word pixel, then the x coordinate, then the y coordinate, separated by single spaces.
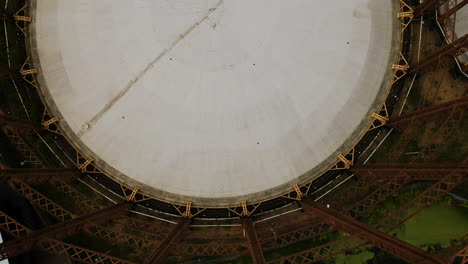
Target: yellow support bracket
pixel 131 197
pixel 85 164
pixel 188 212
pixel 400 69
pixel 49 122
pixel 406 14
pixel 300 195
pixel 27 72
pixel 22 19
pixel 380 119
pixel 344 161
pixel 245 211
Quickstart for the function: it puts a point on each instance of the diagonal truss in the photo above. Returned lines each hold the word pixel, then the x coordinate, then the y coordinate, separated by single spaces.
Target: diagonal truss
pixel 211 249
pixel 159 254
pixel 254 245
pixel 39 175
pixel 431 113
pixel 77 253
pixel 23 148
pixel 12 227
pixel 41 201
pixel 84 203
pixel 57 231
pixel 119 237
pixel 433 193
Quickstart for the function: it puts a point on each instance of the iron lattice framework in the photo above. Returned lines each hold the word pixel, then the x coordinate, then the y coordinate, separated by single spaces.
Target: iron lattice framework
pixel 373 185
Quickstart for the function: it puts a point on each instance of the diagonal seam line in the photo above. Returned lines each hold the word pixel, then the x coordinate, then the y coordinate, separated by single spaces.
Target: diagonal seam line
pixel 88 125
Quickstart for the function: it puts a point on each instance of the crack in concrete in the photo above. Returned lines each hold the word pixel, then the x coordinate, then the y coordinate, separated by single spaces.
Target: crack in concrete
pixel 89 124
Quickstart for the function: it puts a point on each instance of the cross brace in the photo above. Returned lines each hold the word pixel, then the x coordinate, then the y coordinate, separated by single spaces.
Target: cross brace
pixel 17 230
pixel 452 11
pixel 255 247
pixel 429 113
pixel 158 256
pixel 60 230
pixel 454 49
pixel 417 172
pixel 428 5
pixel 447 182
pixel 372 235
pixel 19 125
pixel 39 175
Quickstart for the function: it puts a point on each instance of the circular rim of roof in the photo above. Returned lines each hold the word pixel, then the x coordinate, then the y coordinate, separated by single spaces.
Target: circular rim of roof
pixel 269 194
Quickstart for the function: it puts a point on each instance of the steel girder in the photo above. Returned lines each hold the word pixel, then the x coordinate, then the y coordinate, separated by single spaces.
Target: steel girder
pixel 59 231
pixel 159 255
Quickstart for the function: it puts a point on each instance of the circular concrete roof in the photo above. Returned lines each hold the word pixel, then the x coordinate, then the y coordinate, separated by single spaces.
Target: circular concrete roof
pixel 213 101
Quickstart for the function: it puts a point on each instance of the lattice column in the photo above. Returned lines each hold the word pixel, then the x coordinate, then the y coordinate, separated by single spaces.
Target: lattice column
pixel 23 148
pixel 295 236
pixel 452 11
pixel 420 172
pixel 23 127
pixel 146 230
pixel 85 204
pixel 427 6
pixel 12 227
pixel 77 253
pixel 41 201
pixel 159 255
pixel 212 249
pixel 454 49
pixel 119 238
pixel 39 175
pixel 59 231
pixel 432 113
pixel 255 247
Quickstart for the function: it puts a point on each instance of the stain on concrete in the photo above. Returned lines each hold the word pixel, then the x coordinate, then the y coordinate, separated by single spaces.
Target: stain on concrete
pixel 89 124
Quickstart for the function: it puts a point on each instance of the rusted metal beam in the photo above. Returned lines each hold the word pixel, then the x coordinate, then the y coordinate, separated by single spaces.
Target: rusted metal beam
pixel 17 230
pixel 383 179
pixel 23 148
pixel 391 222
pixel 429 114
pixel 371 235
pixel 417 172
pixel 209 249
pixel 12 227
pixel 254 245
pixel 83 202
pixel 159 255
pixel 119 237
pixel 461 256
pixel 294 236
pixel 76 253
pixel 427 6
pixel 60 230
pixel 457 47
pixel 41 201
pixel 24 127
pixel 452 11
pixel 39 175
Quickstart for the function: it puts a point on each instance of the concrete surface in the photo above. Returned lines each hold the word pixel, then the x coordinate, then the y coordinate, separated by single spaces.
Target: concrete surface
pixel 213 101
pixel 461 29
